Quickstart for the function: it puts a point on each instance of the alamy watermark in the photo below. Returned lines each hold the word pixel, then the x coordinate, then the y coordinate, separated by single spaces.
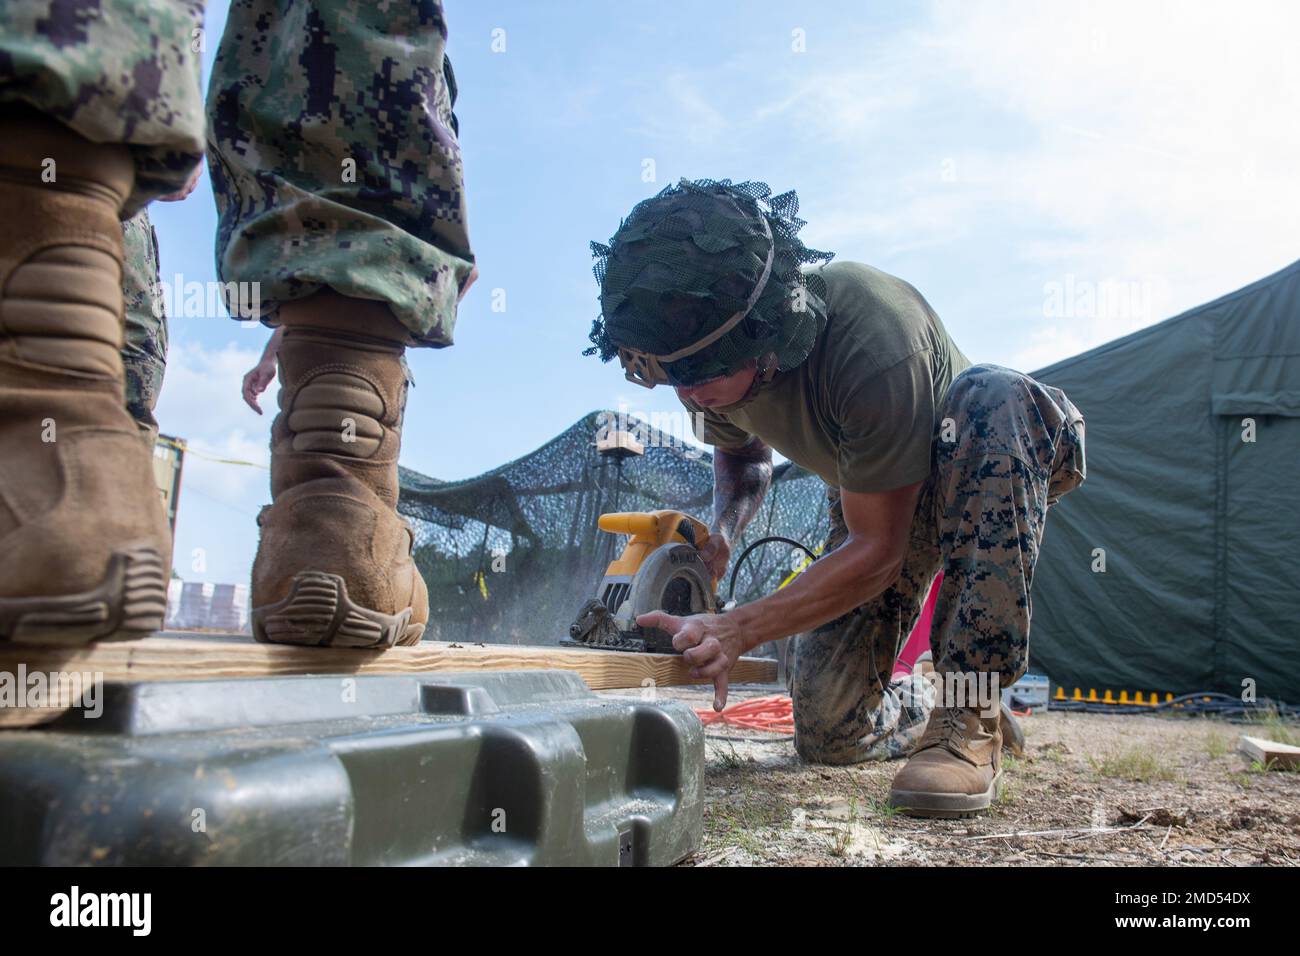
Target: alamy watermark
pixel 36 689
pixel 1077 298
pixel 666 429
pixel 980 691
pixel 74 908
pixel 202 300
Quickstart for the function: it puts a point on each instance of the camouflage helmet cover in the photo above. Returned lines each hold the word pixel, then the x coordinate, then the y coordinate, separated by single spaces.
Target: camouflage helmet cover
pixel 702 278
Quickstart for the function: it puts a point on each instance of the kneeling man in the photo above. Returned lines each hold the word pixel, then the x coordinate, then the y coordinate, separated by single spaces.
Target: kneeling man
pixel 930 463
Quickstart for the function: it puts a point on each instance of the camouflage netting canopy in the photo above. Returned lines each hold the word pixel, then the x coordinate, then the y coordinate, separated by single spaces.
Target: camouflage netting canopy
pixel 511 555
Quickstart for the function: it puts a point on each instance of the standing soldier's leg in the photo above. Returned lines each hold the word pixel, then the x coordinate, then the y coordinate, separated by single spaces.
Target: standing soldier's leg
pixel 144 352
pixel 845 708
pixel 342 217
pixel 98 114
pixel 1018 445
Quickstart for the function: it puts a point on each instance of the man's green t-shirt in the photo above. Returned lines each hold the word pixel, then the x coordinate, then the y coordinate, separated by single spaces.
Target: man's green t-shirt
pixel 861 410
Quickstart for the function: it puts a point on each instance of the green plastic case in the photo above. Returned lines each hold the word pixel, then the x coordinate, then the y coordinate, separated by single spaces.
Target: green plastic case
pixel 500 768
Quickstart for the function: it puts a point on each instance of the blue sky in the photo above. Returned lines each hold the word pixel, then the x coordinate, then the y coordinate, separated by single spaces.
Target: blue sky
pixel 1049 174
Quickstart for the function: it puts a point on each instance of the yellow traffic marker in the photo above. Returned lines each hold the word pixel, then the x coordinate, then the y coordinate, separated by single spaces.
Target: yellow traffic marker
pixel 1137 698
pixel 1110 697
pixel 1123 697
pixel 1078 694
pixel 1092 695
pixel 1060 693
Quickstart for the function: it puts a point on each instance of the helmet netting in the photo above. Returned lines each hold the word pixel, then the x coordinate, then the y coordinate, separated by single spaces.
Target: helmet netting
pixel 686 260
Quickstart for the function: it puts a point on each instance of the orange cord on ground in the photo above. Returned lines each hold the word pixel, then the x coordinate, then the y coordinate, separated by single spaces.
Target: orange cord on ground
pixel 774 714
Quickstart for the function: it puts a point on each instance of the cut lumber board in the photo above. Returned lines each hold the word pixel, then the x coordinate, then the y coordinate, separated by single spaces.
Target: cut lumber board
pixel 1270 753
pixel 218 658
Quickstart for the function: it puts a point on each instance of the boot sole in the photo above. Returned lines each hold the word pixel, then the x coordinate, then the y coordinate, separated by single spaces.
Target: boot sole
pixel 318 613
pixel 947 806
pixel 130 601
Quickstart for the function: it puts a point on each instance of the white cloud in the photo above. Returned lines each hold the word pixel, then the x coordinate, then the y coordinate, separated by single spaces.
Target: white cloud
pixel 1109 140
pixel 1161 142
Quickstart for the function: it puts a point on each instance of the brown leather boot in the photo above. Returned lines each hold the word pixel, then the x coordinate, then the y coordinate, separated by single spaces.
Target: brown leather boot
pixel 955 769
pixel 85 550
pixel 334 565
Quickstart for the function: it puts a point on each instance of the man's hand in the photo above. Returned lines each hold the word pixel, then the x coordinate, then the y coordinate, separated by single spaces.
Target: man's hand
pixel 710 643
pixel 716 554
pixel 256 380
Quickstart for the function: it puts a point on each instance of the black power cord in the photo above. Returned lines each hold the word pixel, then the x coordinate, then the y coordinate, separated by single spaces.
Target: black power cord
pixel 731 593
pixel 1200 703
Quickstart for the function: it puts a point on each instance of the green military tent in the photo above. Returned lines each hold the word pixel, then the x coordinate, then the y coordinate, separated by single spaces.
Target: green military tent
pixel 1192 501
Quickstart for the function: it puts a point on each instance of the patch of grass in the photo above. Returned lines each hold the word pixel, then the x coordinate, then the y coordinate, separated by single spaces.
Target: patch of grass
pixel 1132 763
pixel 729 758
pixel 1217 744
pixel 1055 753
pixel 1271 725
pixel 1270 767
pixel 1009 789
pixel 737 821
pixel 844 835
pixel 881 808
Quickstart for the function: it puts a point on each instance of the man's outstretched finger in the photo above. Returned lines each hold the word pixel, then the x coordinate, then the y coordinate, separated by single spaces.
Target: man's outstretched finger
pixel 720 691
pixel 662 620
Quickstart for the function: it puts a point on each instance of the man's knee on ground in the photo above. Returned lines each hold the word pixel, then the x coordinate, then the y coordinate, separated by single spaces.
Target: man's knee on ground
pixel 820 749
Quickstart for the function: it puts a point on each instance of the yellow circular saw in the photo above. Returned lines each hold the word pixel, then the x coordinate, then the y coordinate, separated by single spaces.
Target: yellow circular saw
pixel 660 569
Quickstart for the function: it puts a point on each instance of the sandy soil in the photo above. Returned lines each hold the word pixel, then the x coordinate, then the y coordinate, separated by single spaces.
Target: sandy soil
pixel 1090 789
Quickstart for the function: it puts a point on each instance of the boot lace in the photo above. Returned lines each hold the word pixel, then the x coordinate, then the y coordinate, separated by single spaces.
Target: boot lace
pixel 949 729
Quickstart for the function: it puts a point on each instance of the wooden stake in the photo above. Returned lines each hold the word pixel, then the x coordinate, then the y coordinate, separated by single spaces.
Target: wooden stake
pixel 1269 753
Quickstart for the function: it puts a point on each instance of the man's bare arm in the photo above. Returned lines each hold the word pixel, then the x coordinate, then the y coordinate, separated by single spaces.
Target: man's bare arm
pixel 741 477
pixel 858 570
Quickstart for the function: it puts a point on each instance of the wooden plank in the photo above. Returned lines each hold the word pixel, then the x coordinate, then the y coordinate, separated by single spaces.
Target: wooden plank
pixel 1270 753
pixel 209 658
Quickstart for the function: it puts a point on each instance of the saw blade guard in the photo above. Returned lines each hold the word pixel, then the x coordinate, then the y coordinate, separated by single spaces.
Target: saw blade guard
pixel 673 579
pixel 660 569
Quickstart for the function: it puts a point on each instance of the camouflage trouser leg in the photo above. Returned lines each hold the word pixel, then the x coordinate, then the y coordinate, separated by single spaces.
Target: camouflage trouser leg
pixel 334 159
pixel 845 708
pixel 115 71
pixel 144 352
pixel 1005 448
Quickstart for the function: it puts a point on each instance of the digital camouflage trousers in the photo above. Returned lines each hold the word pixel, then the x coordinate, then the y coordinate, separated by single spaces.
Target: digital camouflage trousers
pixel 1006 447
pixel 329 134
pixel 144 351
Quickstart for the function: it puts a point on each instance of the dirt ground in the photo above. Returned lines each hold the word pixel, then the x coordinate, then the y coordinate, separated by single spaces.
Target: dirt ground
pixel 1091 789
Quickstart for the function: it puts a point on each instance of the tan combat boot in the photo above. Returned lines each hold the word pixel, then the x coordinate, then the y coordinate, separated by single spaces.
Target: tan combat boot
pixel 334 565
pixel 85 550
pixel 955 769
